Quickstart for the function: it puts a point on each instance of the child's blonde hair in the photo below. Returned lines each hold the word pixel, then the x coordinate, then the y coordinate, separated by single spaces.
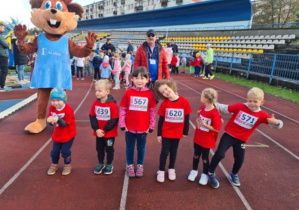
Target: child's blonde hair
pixel 116 56
pixel 106 83
pixel 170 83
pixel 210 94
pixel 256 93
pixel 197 54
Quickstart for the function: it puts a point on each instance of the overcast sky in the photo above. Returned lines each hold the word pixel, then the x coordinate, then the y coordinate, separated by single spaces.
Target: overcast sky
pixel 20 10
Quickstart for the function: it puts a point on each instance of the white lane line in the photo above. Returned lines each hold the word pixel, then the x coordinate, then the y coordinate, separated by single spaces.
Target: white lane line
pixel 17 106
pixel 7 184
pixel 276 112
pixel 238 191
pixel 124 193
pixel 265 135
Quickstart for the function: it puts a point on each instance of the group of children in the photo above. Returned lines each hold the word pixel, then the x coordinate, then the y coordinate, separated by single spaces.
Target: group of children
pixel 136 117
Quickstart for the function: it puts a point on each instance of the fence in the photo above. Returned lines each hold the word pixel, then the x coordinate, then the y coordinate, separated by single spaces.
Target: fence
pixel 274 66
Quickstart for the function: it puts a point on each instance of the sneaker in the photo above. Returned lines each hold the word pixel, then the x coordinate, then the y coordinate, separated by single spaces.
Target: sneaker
pixel 66 169
pixel 130 171
pixel 109 169
pixel 77 78
pixel 235 179
pixel 212 77
pixel 202 75
pixel 205 78
pixel 115 88
pixel 52 170
pixel 192 175
pixel 82 78
pixel 171 174
pixel 139 171
pixel 99 168
pixel 203 179
pixel 213 180
pixel 161 176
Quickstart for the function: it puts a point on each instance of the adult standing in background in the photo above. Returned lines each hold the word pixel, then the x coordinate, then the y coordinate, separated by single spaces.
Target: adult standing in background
pixel 209 60
pixel 108 46
pixel 130 47
pixel 151 55
pixel 3 57
pixel 175 48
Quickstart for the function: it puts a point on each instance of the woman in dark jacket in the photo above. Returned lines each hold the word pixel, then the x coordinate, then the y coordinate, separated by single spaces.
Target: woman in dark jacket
pixel 21 60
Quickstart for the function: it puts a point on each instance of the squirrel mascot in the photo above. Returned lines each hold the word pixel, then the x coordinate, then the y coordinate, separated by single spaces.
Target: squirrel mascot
pixel 54 49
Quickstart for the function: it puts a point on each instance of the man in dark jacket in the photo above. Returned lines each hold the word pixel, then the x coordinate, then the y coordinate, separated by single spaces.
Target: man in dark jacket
pixel 3 57
pixel 130 47
pixel 108 46
pixel 21 60
pixel 175 48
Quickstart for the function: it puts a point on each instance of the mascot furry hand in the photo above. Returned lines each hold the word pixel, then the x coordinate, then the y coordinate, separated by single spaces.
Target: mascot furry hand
pixel 52 66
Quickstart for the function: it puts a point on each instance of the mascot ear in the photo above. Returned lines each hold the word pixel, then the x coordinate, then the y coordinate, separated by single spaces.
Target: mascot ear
pixel 36 4
pixel 76 8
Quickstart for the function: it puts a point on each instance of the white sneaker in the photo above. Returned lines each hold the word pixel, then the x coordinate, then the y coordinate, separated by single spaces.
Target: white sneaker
pixel 115 88
pixel 203 179
pixel 161 176
pixel 82 78
pixel 202 75
pixel 22 82
pixel 171 174
pixel 77 78
pixel 192 175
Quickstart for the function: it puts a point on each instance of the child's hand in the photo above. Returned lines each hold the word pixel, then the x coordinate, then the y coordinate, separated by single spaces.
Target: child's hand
pixel 50 119
pixel 198 122
pixel 273 120
pixel 55 119
pixel 159 138
pixel 203 123
pixel 100 133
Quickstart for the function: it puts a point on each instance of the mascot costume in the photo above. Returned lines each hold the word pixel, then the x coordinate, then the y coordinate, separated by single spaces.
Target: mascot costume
pixel 52 66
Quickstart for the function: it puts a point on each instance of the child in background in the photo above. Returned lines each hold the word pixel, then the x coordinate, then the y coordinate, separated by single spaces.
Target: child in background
pixel 137 118
pixel 173 124
pixel 127 68
pixel 246 117
pixel 184 63
pixel 105 68
pixel 206 133
pixel 80 66
pixel 116 71
pixel 197 63
pixel 122 62
pixel 62 116
pixel 87 65
pixel 177 64
pixel 191 69
pixel 174 61
pixel 97 62
pixel 103 119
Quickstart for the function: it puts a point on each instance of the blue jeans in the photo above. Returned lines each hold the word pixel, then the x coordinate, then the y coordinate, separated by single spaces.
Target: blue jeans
pixel 130 147
pixel 64 148
pixel 196 69
pixel 21 71
pixel 116 77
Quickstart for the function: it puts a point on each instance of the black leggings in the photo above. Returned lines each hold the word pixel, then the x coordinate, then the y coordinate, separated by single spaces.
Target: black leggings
pixel 97 74
pixel 3 70
pixel 101 145
pixel 226 142
pixel 79 70
pixel 204 152
pixel 169 146
pixel 208 70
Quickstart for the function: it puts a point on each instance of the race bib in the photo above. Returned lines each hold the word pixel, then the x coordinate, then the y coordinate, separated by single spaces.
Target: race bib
pixel 208 120
pixel 103 113
pixel 245 120
pixel 152 61
pixel 174 115
pixel 138 103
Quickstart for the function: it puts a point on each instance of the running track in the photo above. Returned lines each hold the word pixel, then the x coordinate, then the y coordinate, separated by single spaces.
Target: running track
pixel 269 176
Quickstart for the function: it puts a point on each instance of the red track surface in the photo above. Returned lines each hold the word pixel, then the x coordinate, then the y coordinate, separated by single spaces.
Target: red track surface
pixel 269 176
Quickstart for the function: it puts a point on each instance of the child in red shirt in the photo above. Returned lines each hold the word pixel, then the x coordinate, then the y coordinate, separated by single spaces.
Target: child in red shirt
pixel 62 117
pixel 173 124
pixel 206 133
pixel 173 63
pixel 245 119
pixel 197 63
pixel 138 118
pixel 103 117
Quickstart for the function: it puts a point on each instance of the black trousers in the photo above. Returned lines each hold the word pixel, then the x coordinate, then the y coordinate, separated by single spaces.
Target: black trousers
pixel 103 144
pixel 204 152
pixel 208 70
pixel 3 70
pixel 226 142
pixel 169 146
pixel 97 75
pixel 79 71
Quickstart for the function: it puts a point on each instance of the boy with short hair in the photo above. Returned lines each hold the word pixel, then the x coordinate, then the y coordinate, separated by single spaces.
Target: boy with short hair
pixel 62 116
pixel 245 119
pixel 103 119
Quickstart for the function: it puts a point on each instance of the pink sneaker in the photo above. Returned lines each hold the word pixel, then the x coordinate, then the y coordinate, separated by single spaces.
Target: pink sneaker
pixel 171 174
pixel 130 171
pixel 139 172
pixel 160 176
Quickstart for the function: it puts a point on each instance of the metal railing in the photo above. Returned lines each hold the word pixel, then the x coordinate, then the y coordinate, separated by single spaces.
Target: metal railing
pixel 284 67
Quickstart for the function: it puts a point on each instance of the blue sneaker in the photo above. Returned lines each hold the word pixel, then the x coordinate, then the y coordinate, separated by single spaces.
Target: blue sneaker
pixel 109 169
pixel 213 180
pixel 99 168
pixel 235 179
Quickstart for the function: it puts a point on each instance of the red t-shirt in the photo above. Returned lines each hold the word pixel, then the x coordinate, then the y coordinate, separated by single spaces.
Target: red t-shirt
pixel 203 136
pixel 174 60
pixel 244 121
pixel 63 134
pixel 104 112
pixel 138 104
pixel 174 113
pixel 197 61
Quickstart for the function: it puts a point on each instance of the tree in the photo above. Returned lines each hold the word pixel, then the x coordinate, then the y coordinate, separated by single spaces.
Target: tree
pixel 274 12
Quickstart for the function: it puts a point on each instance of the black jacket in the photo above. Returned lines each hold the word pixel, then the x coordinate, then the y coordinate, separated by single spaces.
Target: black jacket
pixel 107 47
pixel 20 58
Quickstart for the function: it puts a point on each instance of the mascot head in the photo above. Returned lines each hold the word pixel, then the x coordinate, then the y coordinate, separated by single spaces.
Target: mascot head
pixel 55 16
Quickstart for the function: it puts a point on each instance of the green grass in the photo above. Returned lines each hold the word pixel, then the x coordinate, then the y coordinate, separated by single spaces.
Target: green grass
pixel 281 92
